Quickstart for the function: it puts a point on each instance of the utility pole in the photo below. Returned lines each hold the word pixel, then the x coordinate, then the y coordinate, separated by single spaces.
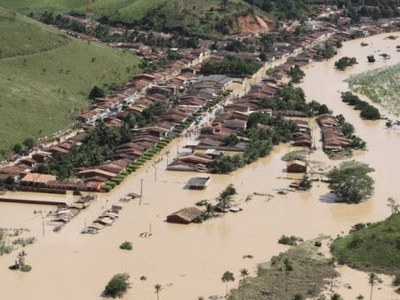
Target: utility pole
pixel 43 226
pixel 141 191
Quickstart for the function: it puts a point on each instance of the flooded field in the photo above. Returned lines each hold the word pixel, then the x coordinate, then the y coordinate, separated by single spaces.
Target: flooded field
pixel 188 261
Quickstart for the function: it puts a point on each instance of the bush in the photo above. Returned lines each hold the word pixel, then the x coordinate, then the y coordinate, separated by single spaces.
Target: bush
pixel 289 240
pixel 396 280
pixel 112 184
pixel 317 244
pixel 116 180
pixel 118 285
pixel 107 188
pixel 26 268
pixel 345 62
pixel 126 246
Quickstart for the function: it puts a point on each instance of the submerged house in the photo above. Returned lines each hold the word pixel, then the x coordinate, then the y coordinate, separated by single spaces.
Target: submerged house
pixel 184 216
pixel 198 183
pixel 296 166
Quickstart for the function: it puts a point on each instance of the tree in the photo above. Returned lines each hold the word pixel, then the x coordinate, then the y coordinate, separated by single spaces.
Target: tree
pixel 243 273
pixel 351 182
pixel 305 183
pixel 96 92
pixel 29 143
pixel 209 212
pixel 296 74
pixel 231 140
pixel 371 58
pixel 225 198
pixel 393 205
pixel 226 277
pixel 336 296
pixel 224 4
pixel 158 288
pixel 345 62
pixel 17 148
pixel 372 279
pixel 118 285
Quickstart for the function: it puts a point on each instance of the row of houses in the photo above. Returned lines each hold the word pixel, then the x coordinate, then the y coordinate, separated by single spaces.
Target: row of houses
pixel 332 134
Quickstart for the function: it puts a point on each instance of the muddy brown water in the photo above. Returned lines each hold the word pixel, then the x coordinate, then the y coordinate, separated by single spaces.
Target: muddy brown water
pixel 188 261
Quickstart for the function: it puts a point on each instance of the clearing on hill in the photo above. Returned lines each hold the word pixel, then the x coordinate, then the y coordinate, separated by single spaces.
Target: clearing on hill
pixel 46 77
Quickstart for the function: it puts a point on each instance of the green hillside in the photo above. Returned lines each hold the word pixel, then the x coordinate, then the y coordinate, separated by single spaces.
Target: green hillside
pixel 374 248
pixel 26 6
pixel 204 17
pixel 46 77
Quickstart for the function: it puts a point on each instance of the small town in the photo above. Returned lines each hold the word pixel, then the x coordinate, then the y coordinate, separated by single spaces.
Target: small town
pixel 261 146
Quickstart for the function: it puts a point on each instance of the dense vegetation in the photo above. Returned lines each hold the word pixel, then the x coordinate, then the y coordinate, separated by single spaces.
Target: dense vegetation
pixel 46 77
pixel 348 130
pixel 371 247
pixel 231 66
pixel 117 286
pixel 351 182
pixel 296 74
pixel 293 98
pixel 345 62
pixel 186 17
pixel 260 142
pixel 99 145
pixel 283 9
pixel 367 111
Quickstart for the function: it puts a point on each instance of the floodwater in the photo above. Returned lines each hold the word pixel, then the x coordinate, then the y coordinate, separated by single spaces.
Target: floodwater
pixel 188 261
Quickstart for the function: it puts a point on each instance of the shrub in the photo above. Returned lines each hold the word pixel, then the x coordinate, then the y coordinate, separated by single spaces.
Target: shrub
pixel 107 188
pixel 126 246
pixel 118 285
pixel 317 244
pixel 289 240
pixel 112 184
pixel 26 268
pixel 116 180
pixel 396 280
pixel 345 62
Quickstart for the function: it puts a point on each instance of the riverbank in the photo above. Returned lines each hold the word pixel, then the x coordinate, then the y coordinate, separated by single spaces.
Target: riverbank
pixel 188 261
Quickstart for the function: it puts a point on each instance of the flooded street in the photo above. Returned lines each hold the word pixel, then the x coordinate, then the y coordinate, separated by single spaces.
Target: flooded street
pixel 189 260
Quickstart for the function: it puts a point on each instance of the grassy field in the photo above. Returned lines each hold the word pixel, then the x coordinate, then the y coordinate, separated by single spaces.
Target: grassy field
pixel 46 77
pixel 307 275
pixel 381 86
pixel 191 15
pixel 375 248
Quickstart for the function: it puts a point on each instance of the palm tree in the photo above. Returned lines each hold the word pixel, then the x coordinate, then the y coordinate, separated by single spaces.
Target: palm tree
pixel 372 279
pixel 226 277
pixel 225 198
pixel 209 212
pixel 158 289
pixel 336 296
pixel 244 273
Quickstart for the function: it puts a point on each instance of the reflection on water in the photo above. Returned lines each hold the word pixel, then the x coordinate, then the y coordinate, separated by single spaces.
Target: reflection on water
pixel 189 260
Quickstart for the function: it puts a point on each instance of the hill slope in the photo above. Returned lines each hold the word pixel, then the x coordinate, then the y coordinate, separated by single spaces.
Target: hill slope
pixel 46 76
pixel 374 248
pixel 205 17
